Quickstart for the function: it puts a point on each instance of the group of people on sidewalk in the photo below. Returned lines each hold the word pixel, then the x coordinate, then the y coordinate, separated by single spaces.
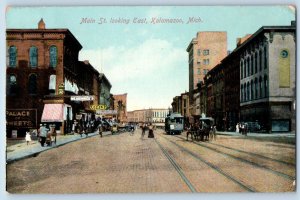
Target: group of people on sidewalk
pixel 44 135
pixel 47 136
pixel 150 130
pixel 241 128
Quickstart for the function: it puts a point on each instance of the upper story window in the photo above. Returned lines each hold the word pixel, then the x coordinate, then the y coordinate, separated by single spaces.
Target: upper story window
pixel 11 84
pixel 32 84
pixel 53 56
pixel 206 61
pixel 198 71
pixel 205 52
pixel 12 53
pixel 198 52
pixel 33 56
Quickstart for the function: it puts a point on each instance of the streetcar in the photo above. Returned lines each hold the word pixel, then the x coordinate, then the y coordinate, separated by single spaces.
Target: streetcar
pixel 174 123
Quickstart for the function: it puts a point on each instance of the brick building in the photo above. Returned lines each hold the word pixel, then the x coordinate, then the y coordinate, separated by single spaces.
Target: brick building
pixel 205 52
pixel 42 73
pixel 120 104
pixel 255 83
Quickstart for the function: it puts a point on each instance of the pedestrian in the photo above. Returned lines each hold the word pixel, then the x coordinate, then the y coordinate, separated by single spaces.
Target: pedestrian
pixel 74 127
pixel 237 128
pixel 143 130
pixel 100 130
pixel 150 133
pixel 53 134
pixel 28 137
pixel 43 134
pixel 214 132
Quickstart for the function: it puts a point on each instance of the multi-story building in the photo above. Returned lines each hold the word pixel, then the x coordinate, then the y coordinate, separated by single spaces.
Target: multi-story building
pixel 176 104
pixel 155 116
pixel 205 51
pixel 120 105
pixel 255 83
pixel 215 81
pixel 130 116
pixel 42 73
pixel 267 77
pixel 105 86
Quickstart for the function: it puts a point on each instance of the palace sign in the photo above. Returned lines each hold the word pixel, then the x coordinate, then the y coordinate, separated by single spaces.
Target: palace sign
pixel 21 118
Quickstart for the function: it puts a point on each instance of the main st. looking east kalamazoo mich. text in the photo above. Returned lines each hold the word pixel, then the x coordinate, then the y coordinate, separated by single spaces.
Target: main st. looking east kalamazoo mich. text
pixel 136 20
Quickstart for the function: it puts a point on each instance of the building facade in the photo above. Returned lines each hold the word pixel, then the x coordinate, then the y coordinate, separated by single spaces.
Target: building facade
pixel 255 83
pixel 267 78
pixel 204 52
pixel 120 105
pixel 43 72
pixel 105 87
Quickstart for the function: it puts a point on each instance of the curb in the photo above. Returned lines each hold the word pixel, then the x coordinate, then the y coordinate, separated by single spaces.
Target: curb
pixel 34 154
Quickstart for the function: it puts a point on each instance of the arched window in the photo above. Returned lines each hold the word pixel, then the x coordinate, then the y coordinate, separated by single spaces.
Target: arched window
pixel 33 56
pixel 266 85
pixel 242 71
pixel 260 88
pixel 11 85
pixel 248 91
pixel 251 90
pixel 256 88
pixel 242 93
pixel 52 84
pixel 255 62
pixel 12 53
pixel 53 56
pixel 260 60
pixel 245 92
pixel 251 65
pixel 265 57
pixel 32 84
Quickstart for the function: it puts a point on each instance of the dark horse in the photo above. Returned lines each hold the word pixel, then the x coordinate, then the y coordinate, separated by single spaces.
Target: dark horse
pixel 198 131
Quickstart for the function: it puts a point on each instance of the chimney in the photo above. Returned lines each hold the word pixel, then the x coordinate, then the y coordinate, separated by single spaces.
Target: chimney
pixel 41 24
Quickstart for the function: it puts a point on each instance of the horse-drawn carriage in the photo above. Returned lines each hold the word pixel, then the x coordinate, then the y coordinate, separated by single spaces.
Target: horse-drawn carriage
pixel 203 129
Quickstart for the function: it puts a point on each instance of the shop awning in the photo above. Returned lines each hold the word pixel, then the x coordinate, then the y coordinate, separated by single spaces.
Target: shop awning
pixel 53 113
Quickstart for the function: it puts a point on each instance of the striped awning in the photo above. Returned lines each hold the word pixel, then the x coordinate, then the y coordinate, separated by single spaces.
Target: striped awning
pixel 53 113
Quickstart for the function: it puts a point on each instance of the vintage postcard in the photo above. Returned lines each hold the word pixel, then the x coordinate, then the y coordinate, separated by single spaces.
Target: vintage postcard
pixel 150 99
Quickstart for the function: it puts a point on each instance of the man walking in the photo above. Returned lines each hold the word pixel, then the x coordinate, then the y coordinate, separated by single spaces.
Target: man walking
pixel 43 134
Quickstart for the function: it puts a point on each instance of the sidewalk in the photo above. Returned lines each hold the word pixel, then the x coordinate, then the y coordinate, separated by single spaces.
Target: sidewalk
pixel 21 150
pixel 288 134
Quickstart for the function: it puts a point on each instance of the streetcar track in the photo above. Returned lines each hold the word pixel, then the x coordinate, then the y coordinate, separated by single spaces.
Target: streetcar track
pixel 214 167
pixel 255 155
pixel 246 161
pixel 249 153
pixel 177 167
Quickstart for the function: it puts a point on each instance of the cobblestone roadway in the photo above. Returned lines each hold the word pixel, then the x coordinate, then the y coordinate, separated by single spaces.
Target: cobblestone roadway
pixel 124 163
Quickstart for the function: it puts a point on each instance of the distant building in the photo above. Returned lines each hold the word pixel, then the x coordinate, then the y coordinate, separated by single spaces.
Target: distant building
pixel 120 104
pixel 204 52
pixel 105 86
pixel 156 116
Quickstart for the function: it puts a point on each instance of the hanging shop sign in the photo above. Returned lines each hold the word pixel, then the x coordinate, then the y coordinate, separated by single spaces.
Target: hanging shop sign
pixel 106 112
pixel 21 118
pixel 82 98
pixel 98 107
pixel 61 88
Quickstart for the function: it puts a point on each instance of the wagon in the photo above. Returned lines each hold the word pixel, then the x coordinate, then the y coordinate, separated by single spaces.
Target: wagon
pixel 201 129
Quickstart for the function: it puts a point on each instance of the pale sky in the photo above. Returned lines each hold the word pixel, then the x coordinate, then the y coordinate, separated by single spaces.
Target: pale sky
pixel 147 61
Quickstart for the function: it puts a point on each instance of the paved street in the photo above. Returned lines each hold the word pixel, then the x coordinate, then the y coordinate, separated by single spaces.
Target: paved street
pixel 126 163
